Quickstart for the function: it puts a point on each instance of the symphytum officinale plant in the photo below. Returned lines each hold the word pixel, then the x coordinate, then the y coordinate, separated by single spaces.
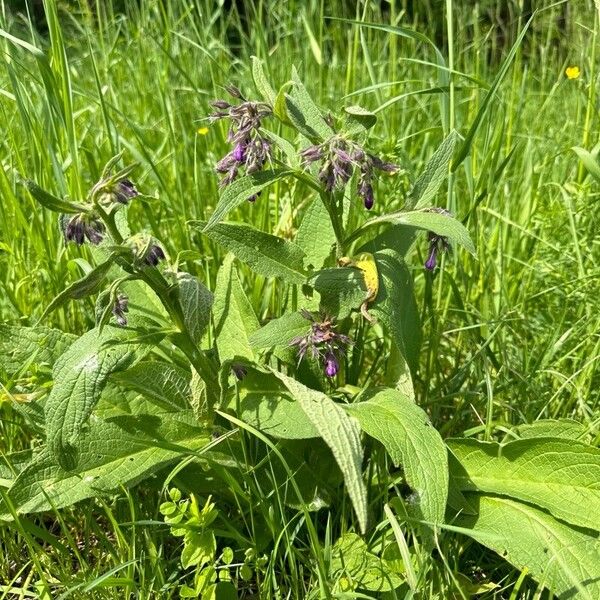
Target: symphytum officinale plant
pixel 173 369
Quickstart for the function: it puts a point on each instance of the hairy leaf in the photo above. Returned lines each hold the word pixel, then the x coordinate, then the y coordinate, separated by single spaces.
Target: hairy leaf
pixel 196 301
pixel 562 476
pixel 51 202
pixel 280 332
pixel 565 559
pixel 261 82
pixel 264 253
pixel 79 376
pixel 341 433
pixel 342 290
pixel 411 441
pixel 315 235
pixel 234 316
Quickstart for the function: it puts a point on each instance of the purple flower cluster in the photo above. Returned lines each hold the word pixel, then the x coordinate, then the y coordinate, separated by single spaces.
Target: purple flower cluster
pixel 322 343
pixel 437 243
pixel 250 148
pixel 120 307
pixel 123 191
pixel 338 158
pixel 82 226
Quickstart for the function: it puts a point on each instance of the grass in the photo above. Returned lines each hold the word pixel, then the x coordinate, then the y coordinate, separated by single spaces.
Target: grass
pixel 510 336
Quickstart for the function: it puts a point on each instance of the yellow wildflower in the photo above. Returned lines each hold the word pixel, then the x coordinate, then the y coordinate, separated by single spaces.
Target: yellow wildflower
pixel 202 130
pixel 572 72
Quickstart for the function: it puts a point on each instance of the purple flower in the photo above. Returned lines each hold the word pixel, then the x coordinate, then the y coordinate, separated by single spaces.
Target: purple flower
pixel 338 158
pixel 154 255
pixel 124 191
pixel 322 343
pixel 120 307
pixel 437 243
pixel 81 226
pixel 251 149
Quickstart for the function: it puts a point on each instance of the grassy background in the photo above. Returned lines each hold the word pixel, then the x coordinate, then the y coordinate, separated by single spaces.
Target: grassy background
pixel 509 338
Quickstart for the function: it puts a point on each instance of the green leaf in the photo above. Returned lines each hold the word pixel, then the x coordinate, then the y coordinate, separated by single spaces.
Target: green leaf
pixel 280 108
pixel 262 400
pixel 315 235
pixel 427 220
pixel 234 316
pixel 200 548
pixel 51 202
pixel 241 189
pixel 562 476
pixel 261 82
pixel 196 301
pixel 362 569
pixel 590 162
pixel 342 290
pixel 25 346
pixel 358 120
pixel 162 382
pixel 89 284
pixel 79 376
pixel 437 169
pixel 280 332
pixel 304 113
pixel 115 453
pixel 341 433
pixel 395 306
pixel 314 45
pixel 411 441
pixel 264 253
pixel 556 428
pixel 564 559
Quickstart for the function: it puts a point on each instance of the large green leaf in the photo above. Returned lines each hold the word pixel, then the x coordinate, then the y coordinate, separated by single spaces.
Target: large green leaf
pixel 262 400
pixel 395 305
pixel 315 235
pixel 342 290
pixel 196 301
pixel 556 428
pixel 80 375
pixel 241 189
pixel 562 476
pixel 427 220
pixel 24 346
pixel 162 382
pixel 120 451
pixel 304 113
pixel 89 284
pixel 565 559
pixel 411 441
pixel 360 568
pixel 341 433
pixel 261 82
pixel 264 253
pixel 234 316
pixel 280 332
pixel 437 169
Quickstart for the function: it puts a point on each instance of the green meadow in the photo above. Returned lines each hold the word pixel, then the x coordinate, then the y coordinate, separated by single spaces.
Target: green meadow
pixel 449 450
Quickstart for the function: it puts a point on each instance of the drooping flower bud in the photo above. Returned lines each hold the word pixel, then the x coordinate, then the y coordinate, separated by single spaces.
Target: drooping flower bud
pixel 81 226
pixel 120 307
pixel 124 191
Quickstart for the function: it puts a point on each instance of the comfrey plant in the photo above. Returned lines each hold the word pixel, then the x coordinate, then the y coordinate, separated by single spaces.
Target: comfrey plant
pixel 171 368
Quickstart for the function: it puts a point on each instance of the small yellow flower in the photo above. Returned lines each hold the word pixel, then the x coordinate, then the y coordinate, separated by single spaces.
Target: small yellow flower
pixel 572 72
pixel 202 130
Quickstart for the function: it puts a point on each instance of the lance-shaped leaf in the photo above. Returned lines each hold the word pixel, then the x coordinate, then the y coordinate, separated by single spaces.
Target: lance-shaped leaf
pixel 395 305
pixel 427 220
pixel 342 290
pixel 160 381
pixel 263 401
pixel 24 346
pixel 121 451
pixel 341 433
pixel 241 189
pixel 358 120
pixel 79 376
pixel 315 235
pixel 437 169
pixel 196 301
pixel 412 442
pixel 261 82
pixel 566 560
pixel 234 316
pixel 280 332
pixel 304 113
pixel 51 202
pixel 562 476
pixel 266 254
pixel 89 284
